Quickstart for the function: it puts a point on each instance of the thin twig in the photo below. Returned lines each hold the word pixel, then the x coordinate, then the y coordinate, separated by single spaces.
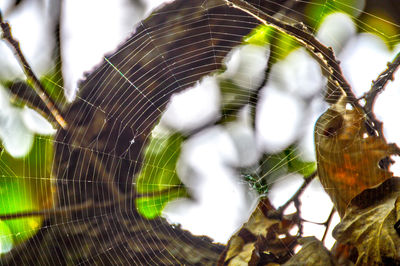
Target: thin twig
pixel 297 205
pixel 377 87
pixel 14 44
pixel 328 223
pixel 298 193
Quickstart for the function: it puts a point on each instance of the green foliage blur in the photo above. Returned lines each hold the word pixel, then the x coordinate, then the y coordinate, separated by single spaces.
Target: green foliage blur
pixel 158 182
pixel 26 184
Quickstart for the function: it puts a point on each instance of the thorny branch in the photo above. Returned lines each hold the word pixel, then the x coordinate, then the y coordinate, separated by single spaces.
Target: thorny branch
pixel 378 86
pixel 14 44
pixel 301 33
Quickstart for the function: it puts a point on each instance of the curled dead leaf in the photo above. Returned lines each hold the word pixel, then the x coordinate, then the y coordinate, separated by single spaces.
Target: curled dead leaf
pixel 349 160
pixel 264 239
pixel 369 225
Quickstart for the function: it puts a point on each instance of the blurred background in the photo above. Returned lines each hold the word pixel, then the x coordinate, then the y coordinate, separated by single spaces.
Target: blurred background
pixel 264 148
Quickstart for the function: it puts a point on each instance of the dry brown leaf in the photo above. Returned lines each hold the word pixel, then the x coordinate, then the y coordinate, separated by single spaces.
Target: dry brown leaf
pixel 347 157
pixel 369 225
pixel 248 256
pixel 236 245
pixel 261 240
pixel 313 252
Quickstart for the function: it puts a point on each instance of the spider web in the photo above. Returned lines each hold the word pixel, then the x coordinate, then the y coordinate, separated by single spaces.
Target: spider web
pixel 118 104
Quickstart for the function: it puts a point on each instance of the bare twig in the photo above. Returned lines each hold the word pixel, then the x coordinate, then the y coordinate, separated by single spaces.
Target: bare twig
pixel 307 181
pixel 14 44
pixel 377 87
pixel 295 199
pixel 297 205
pixel 328 223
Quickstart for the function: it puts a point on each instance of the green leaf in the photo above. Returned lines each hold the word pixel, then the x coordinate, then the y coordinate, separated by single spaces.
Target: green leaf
pixel 296 164
pixel 158 182
pixel 26 185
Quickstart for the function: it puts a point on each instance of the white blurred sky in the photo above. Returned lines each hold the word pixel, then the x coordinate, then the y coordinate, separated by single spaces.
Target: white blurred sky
pixel 92 28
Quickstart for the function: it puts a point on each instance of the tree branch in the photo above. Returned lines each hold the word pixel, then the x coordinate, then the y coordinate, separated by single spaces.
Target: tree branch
pixel 14 44
pixel 377 87
pixel 323 54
